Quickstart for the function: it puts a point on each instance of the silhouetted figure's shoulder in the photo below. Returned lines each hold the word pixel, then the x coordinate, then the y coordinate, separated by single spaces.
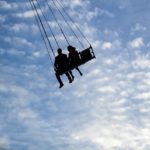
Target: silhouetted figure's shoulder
pixel 74 56
pixel 61 59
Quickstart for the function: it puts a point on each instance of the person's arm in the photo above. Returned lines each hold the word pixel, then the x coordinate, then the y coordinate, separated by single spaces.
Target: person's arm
pixel 55 64
pixel 69 57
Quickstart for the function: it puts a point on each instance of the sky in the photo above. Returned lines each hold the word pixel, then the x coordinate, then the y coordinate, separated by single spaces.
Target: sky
pixel 108 108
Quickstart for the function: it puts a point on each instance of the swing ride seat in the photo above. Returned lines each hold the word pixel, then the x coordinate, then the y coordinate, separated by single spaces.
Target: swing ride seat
pixel 85 56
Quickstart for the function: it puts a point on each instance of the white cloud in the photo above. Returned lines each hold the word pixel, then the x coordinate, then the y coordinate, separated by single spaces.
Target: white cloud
pixel 109 62
pixel 22 27
pixel 107 45
pixel 7 6
pixel 111 34
pixel 106 89
pixel 14 52
pixel 137 43
pixel 98 110
pixel 27 114
pixel 104 12
pixel 143 96
pixel 92 14
pixel 4 143
pixel 77 3
pixel 113 136
pixel 18 41
pixel 19 27
pixel 110 45
pixel 97 134
pixel 138 27
pixel 97 12
pixel 141 62
pixel 27 14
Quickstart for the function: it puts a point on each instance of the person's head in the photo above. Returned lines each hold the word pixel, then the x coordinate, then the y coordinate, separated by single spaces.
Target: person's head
pixel 70 48
pixel 59 51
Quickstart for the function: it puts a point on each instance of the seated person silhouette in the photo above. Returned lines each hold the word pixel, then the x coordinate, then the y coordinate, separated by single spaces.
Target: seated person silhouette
pixel 74 58
pixel 62 66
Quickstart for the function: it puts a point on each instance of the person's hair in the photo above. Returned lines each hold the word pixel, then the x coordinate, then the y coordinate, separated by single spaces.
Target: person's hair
pixel 70 47
pixel 59 50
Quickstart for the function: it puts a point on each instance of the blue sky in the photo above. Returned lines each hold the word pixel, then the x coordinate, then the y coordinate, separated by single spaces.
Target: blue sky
pixel 108 108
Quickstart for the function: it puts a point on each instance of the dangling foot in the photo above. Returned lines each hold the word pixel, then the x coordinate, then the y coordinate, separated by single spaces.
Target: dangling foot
pixel 61 85
pixel 81 74
pixel 70 81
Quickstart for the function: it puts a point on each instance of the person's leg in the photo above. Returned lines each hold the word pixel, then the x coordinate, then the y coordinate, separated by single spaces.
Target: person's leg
pixel 69 77
pixel 71 74
pixel 79 71
pixel 59 79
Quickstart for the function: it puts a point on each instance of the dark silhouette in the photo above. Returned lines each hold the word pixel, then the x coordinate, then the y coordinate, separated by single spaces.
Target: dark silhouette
pixel 74 58
pixel 62 66
pixel 87 54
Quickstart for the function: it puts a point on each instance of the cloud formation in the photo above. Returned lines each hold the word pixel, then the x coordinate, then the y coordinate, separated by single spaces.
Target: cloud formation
pixel 107 108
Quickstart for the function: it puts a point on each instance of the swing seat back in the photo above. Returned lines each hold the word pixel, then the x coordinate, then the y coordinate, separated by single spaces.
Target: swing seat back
pixel 86 55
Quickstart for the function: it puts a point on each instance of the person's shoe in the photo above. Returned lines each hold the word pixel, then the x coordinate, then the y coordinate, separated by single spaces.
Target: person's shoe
pixel 70 81
pixel 81 74
pixel 61 85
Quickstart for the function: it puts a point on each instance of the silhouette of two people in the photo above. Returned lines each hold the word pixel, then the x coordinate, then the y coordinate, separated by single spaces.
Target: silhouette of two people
pixel 64 64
